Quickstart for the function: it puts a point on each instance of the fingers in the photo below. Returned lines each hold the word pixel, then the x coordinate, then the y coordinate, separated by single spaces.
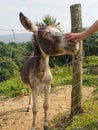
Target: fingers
pixel 70 36
pixel 73 36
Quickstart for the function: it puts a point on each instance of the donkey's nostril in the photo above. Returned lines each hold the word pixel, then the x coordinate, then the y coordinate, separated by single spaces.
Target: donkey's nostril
pixel 72 42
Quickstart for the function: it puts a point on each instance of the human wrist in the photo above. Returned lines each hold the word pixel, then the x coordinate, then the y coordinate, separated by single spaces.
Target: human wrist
pixel 85 34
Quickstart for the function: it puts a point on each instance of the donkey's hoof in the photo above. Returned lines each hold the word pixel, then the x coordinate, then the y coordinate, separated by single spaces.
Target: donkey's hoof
pixel 46 128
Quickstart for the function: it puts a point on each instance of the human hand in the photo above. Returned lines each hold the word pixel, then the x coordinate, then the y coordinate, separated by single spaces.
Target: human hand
pixel 76 37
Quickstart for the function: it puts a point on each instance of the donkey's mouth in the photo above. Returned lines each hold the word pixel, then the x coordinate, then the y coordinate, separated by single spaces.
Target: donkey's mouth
pixel 71 47
pixel 71 50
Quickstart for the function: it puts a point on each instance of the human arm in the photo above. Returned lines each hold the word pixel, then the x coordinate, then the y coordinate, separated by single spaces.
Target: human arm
pixel 83 35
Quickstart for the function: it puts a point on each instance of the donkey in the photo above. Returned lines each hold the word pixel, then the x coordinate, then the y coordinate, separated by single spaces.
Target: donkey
pixel 36 73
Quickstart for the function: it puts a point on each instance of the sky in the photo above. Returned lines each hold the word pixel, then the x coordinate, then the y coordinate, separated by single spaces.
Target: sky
pixel 37 9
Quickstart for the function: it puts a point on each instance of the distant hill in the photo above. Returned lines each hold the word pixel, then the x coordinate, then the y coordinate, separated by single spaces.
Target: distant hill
pixel 18 37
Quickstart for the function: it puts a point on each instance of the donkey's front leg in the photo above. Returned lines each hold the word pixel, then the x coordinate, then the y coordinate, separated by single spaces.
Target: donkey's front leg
pixel 35 109
pixel 46 108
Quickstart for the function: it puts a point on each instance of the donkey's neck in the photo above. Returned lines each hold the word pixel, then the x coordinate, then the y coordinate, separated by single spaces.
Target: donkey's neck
pixel 41 58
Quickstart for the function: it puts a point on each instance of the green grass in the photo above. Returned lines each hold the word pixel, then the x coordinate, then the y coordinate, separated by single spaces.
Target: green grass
pixel 87 120
pixel 91 61
pixel 12 87
pixel 90 80
pixel 61 76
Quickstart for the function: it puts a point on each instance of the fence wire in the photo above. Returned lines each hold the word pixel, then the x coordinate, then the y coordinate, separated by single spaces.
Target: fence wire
pixel 13 115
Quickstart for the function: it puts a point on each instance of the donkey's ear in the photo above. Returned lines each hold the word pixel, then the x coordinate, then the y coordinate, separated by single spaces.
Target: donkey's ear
pixel 27 23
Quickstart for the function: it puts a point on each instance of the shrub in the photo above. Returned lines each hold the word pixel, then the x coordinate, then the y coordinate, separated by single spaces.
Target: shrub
pixel 13 87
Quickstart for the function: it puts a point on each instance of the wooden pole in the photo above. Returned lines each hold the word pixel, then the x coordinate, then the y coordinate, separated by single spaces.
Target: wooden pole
pixel 76 23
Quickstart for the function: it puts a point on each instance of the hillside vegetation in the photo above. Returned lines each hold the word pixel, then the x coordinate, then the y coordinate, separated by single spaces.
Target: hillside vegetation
pixel 13 55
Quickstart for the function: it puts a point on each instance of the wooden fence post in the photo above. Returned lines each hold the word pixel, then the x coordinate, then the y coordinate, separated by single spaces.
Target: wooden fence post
pixel 76 24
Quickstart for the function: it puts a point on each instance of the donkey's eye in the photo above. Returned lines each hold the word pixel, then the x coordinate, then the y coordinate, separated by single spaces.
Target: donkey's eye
pixel 47 35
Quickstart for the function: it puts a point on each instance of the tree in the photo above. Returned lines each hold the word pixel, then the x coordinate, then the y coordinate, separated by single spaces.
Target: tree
pixel 7 68
pixel 47 20
pixel 91 45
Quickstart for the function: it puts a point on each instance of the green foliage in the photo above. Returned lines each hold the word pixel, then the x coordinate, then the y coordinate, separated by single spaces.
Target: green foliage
pixel 91 45
pixel 7 68
pixel 47 20
pixel 91 65
pixel 18 52
pixel 15 51
pixel 87 120
pixel 90 80
pixel 60 60
pixel 12 56
pixel 5 50
pixel 91 61
pixel 61 76
pixel 13 87
pixel 96 90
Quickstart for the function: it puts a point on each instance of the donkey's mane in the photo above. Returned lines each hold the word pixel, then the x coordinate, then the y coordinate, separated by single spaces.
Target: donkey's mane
pixel 37 51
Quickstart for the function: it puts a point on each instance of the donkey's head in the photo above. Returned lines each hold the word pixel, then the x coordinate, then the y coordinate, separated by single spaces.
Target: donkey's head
pixel 50 39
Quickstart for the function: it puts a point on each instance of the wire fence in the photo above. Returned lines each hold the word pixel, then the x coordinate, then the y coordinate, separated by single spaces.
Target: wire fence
pixel 13 115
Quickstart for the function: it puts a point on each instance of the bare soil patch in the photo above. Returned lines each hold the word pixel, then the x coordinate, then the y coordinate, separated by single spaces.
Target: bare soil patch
pixel 13 115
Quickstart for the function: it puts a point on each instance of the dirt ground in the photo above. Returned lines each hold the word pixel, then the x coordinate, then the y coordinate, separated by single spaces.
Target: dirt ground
pixel 13 115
